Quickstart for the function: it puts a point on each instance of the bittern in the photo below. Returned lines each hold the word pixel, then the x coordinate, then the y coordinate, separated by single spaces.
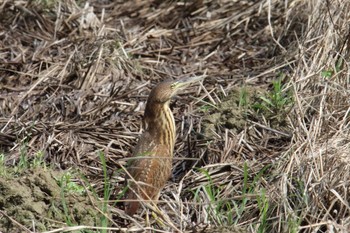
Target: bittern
pixel 151 164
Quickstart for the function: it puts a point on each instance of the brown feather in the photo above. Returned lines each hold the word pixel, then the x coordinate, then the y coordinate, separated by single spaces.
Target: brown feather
pixel 150 168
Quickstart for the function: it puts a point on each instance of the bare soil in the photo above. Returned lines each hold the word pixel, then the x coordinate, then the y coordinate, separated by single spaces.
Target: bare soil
pixel 35 199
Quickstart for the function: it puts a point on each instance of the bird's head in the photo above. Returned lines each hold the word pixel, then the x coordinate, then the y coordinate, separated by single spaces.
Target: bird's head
pixel 164 91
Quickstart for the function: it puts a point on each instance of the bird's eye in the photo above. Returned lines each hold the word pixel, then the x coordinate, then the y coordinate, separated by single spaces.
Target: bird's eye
pixel 173 85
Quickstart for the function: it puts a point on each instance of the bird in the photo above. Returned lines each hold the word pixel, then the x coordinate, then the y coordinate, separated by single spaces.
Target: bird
pixel 150 166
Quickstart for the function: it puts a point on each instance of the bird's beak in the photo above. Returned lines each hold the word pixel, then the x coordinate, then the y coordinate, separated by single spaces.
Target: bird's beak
pixel 184 82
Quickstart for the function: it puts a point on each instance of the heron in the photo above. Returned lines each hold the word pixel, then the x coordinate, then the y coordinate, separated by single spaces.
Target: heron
pixel 151 164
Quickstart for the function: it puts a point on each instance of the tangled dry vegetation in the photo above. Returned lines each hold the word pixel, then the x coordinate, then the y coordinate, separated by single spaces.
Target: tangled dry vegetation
pixel 263 142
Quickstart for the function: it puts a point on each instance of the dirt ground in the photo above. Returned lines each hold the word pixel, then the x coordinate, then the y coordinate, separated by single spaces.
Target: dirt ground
pixel 262 143
pixel 34 199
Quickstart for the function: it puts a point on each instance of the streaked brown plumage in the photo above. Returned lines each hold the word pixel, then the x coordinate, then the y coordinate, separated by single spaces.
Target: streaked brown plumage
pixel 152 157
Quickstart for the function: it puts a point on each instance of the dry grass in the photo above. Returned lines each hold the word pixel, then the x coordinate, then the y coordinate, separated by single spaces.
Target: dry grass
pixel 74 79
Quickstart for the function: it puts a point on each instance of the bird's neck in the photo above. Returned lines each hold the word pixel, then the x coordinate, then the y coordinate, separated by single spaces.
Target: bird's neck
pixel 159 122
